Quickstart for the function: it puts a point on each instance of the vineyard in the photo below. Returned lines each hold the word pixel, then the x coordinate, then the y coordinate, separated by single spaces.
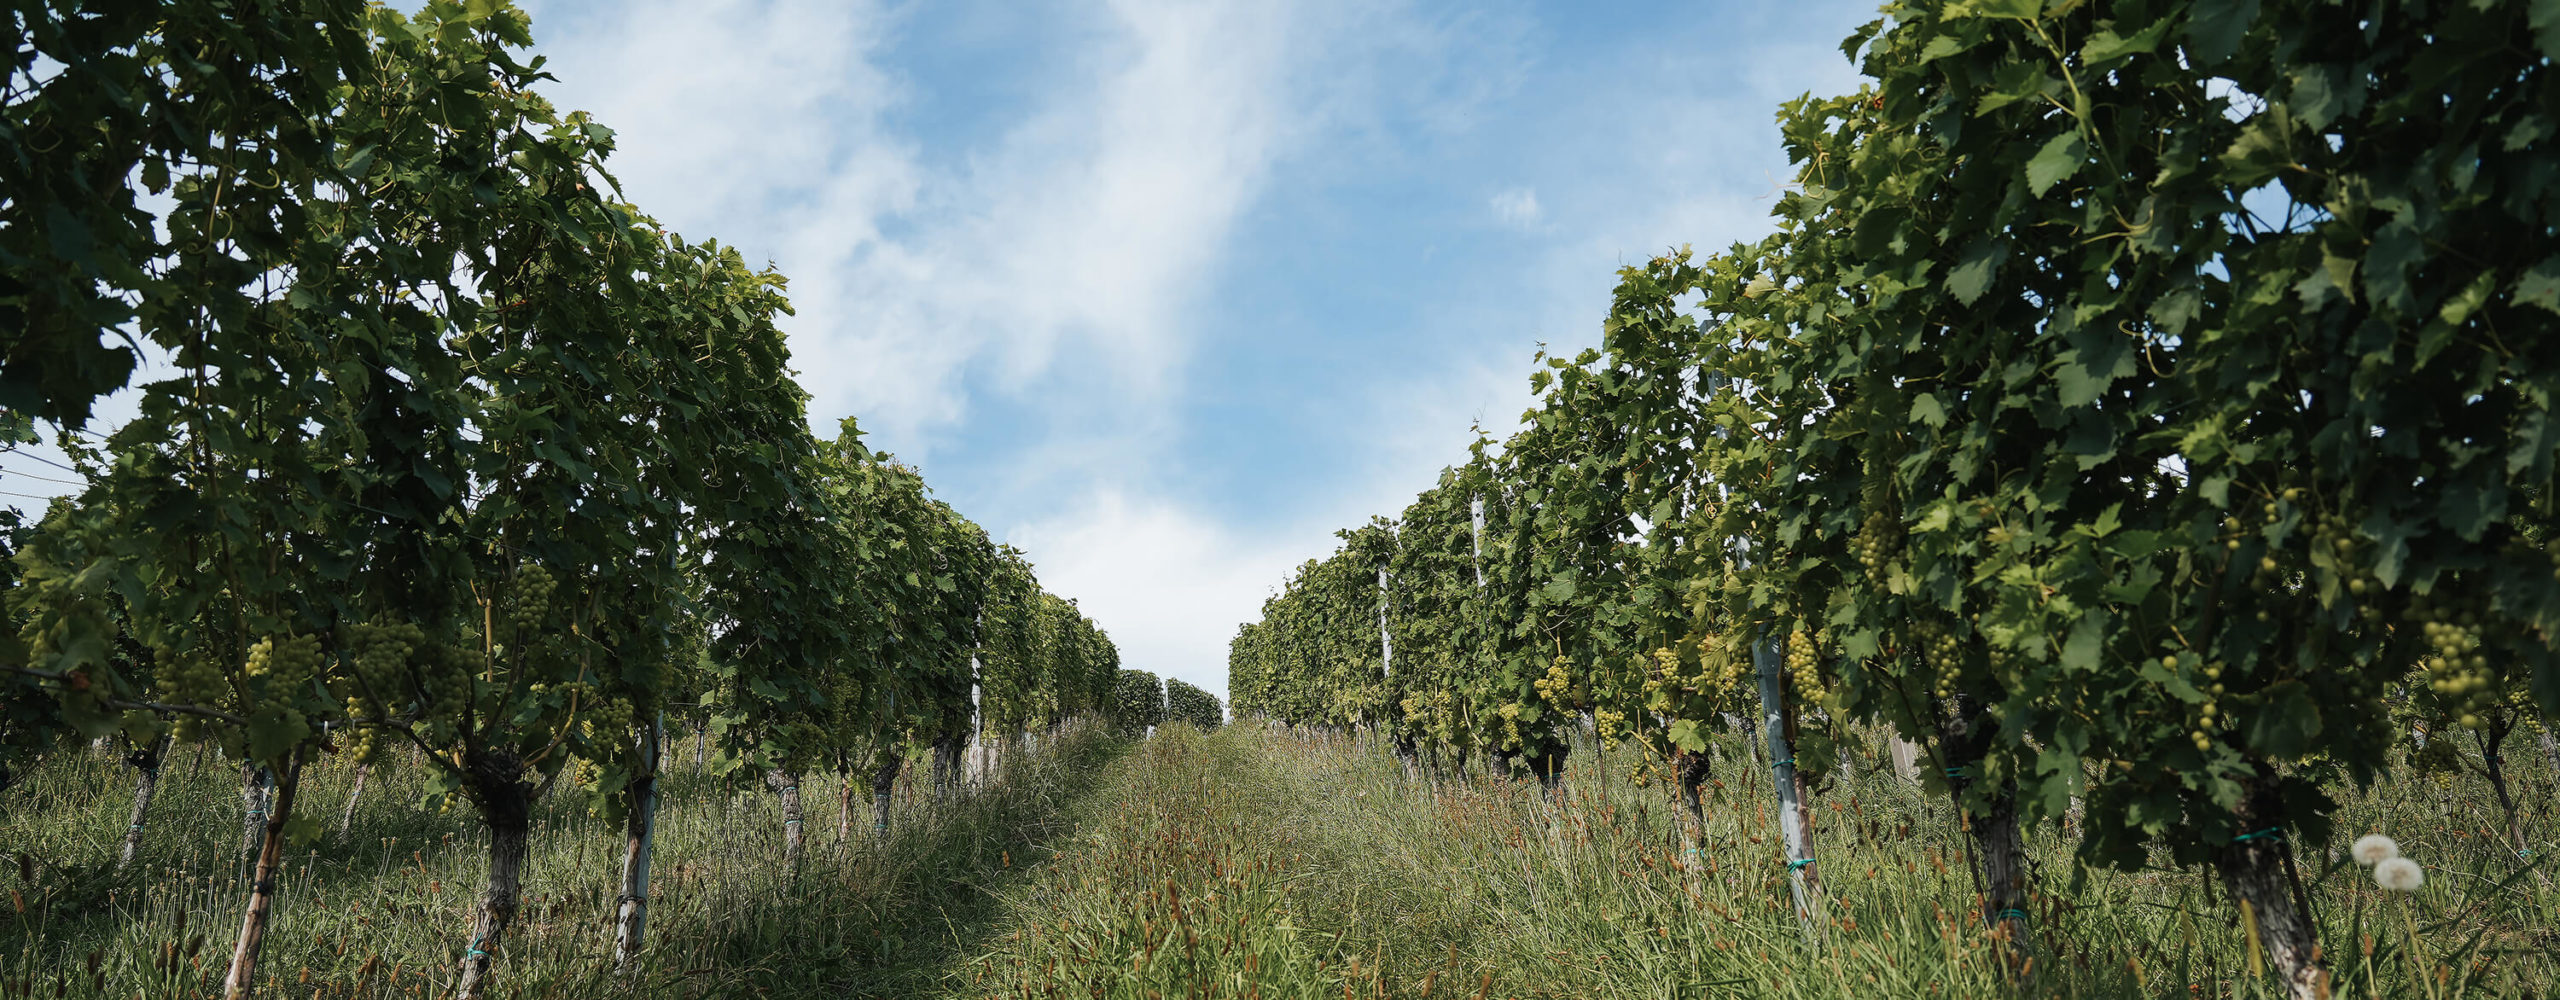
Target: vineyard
pixel 2139 426
pixel 2099 543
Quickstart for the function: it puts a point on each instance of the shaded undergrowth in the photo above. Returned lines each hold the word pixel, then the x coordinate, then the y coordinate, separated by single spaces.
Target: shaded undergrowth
pixel 382 910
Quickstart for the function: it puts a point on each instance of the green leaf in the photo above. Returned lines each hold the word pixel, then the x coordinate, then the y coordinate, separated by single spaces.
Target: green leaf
pixel 2333 279
pixel 2021 9
pixel 2106 46
pixel 2214 28
pixel 2014 82
pixel 2060 158
pixel 1971 276
pixel 357 163
pixel 2469 509
pixel 2078 385
pixel 1926 409
pixel 2285 719
pixel 2177 309
pixel 274 730
pixel 2396 249
pixel 2088 639
pixel 1942 46
pixel 2541 285
pixel 68 236
pixel 2176 685
pixel 1685 735
pixel 2319 95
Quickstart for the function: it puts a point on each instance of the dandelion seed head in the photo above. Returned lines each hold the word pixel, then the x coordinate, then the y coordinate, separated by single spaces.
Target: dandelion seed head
pixel 2373 849
pixel 2399 875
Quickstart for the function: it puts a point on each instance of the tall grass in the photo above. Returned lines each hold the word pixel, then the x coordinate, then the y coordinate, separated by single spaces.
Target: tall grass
pixel 1315 866
pixel 383 910
pixel 1242 863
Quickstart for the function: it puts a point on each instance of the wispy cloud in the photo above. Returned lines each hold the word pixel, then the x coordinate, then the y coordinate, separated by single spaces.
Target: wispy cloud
pixel 1170 584
pixel 1516 207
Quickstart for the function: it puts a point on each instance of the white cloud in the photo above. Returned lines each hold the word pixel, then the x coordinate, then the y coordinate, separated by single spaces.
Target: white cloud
pixel 749 120
pixel 1169 584
pixel 1516 207
pixel 1072 243
pixel 1052 265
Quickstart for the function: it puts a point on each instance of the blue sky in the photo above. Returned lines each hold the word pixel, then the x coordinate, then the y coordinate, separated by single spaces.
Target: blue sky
pixel 1163 291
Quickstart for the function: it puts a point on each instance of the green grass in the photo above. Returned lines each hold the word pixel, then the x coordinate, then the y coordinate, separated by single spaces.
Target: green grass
pixel 1241 863
pixel 383 911
pixel 1254 864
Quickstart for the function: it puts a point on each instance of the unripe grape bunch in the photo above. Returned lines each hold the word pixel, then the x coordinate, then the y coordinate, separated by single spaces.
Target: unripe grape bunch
pixel 1804 663
pixel 2456 659
pixel 1878 537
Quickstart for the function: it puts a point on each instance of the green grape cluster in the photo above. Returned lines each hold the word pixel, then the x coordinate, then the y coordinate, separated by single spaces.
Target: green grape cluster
pixel 445 671
pixel 1611 725
pixel 378 656
pixel 1720 664
pixel 284 662
pixel 1879 536
pixel 2457 662
pixel 604 724
pixel 1557 686
pixel 189 677
pixel 1943 654
pixel 1804 664
pixel 533 590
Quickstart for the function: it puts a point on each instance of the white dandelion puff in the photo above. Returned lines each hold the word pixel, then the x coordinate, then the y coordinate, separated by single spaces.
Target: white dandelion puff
pixel 2399 875
pixel 2373 849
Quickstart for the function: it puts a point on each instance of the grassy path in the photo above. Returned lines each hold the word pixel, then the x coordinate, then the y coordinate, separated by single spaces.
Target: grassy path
pixel 1250 864
pixel 1235 864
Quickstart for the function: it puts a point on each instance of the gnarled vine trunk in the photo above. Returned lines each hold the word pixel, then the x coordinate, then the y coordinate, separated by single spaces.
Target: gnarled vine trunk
pixel 146 784
pixel 2257 870
pixel 786 786
pixel 2493 765
pixel 254 793
pixel 1691 770
pixel 1991 828
pixel 1750 735
pixel 844 803
pixel 1549 769
pixel 946 765
pixel 883 781
pixel 639 833
pixel 495 780
pixel 243 975
pixel 2551 752
pixel 347 817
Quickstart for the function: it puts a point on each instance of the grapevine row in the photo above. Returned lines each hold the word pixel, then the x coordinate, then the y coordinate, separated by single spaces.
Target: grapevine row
pixel 2145 405
pixel 456 452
